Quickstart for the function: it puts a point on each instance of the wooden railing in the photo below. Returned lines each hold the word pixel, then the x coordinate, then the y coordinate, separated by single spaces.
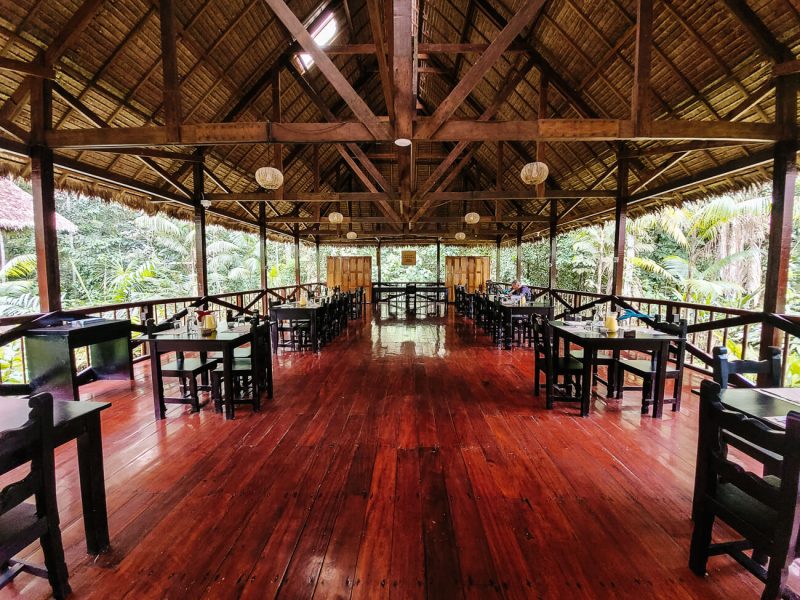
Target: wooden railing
pixel 708 326
pixel 12 359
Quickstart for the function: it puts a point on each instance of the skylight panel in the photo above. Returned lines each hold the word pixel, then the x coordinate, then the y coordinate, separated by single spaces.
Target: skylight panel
pixel 323 36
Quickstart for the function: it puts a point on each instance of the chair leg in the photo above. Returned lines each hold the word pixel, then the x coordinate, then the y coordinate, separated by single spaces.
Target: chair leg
pixel 647 394
pixel 216 392
pixel 195 397
pixel 777 574
pixel 536 379
pixel 620 380
pixel 701 540
pixel 57 573
pixel 548 390
pixel 676 406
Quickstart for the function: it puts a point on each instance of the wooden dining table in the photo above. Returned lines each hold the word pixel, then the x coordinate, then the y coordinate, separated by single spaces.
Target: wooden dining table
pixel 294 311
pixel 593 340
pixel 510 311
pixel 74 421
pixel 224 341
pixel 770 405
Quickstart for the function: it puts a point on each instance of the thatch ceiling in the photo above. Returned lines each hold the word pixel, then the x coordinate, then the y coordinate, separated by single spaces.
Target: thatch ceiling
pixel 706 66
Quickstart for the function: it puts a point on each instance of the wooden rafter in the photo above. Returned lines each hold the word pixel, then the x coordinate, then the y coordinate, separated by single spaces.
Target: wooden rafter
pixel 360 109
pixel 169 65
pixel 481 66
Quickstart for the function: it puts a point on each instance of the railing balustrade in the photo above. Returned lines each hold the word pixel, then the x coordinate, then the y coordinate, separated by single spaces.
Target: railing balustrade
pixel 12 353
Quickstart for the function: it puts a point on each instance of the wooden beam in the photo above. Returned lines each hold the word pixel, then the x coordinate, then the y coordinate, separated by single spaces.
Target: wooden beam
pixel 169 66
pixel 467 48
pixel 758 31
pixel 405 101
pixel 783 69
pixel 380 50
pixel 44 203
pixel 27 68
pixel 203 134
pixel 552 271
pixel 360 109
pixel 734 166
pixel 481 66
pixel 150 153
pixel 677 148
pixel 641 96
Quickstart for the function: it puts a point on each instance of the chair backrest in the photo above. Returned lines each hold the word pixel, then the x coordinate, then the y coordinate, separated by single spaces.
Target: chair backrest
pixel 724 368
pixel 715 467
pixel 31 441
pixel 543 340
pixel 677 350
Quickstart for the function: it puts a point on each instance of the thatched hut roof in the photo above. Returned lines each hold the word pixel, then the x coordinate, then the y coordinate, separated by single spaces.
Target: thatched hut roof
pixel 709 63
pixel 16 209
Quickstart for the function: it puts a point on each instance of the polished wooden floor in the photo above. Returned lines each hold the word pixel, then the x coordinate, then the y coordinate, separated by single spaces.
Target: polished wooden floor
pixel 408 460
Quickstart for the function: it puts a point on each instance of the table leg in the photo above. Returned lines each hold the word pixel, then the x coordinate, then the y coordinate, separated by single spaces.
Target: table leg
pixel 93 487
pixel 660 380
pixel 508 330
pixel 586 384
pixel 227 370
pixel 157 382
pixel 314 340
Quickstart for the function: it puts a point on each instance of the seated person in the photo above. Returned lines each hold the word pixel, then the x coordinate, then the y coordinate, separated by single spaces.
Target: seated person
pixel 517 289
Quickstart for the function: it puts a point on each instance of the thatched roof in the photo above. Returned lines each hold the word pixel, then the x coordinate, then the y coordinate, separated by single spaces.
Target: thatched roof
pixel 16 209
pixel 708 63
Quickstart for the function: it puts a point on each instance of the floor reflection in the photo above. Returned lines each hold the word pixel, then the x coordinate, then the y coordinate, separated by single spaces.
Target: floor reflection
pixel 397 333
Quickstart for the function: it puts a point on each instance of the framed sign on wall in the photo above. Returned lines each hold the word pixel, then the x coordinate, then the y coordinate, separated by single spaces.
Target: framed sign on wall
pixel 408 258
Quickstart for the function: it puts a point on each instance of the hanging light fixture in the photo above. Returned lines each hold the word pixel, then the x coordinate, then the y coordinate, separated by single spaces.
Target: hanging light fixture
pixel 472 218
pixel 335 217
pixel 351 235
pixel 460 236
pixel 534 173
pixel 402 142
pixel 269 178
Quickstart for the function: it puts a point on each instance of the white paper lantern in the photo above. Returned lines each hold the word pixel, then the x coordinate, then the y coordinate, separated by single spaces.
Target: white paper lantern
pixel 336 217
pixel 471 218
pixel 534 173
pixel 351 235
pixel 269 178
pixel 461 236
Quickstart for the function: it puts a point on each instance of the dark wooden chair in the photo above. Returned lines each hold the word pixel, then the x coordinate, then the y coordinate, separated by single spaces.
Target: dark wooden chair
pixel 186 370
pixel 22 523
pixel 646 370
pixel 545 362
pixel 763 510
pixel 725 369
pixel 252 375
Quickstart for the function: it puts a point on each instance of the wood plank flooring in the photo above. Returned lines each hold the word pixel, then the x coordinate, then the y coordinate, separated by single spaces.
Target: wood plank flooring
pixel 409 459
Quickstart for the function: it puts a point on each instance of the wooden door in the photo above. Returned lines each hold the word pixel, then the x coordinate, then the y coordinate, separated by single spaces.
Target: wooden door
pixel 469 271
pixel 351 272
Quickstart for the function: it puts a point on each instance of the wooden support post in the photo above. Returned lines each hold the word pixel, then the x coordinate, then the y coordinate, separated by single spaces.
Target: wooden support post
pixel 201 261
pixel 297 255
pixel 641 95
pixel 497 259
pixel 784 175
pixel 438 261
pixel 277 115
pixel 551 281
pixel 519 252
pixel 378 262
pixel 620 221
pixel 169 63
pixel 263 269
pixel 44 202
pixel 319 272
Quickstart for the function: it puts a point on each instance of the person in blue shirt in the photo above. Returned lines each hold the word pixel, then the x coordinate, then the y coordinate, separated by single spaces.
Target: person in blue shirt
pixel 517 289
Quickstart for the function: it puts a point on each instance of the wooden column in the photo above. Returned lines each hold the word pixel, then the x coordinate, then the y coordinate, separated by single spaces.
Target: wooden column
pixel 297 255
pixel 201 260
pixel 262 253
pixel 497 259
pixel 519 252
pixel 169 65
pixel 319 272
pixel 438 262
pixel 44 201
pixel 551 280
pixel 378 262
pixel 620 221
pixel 784 174
pixel 641 94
